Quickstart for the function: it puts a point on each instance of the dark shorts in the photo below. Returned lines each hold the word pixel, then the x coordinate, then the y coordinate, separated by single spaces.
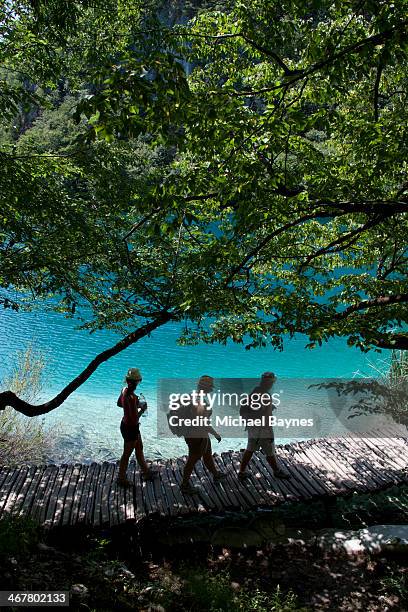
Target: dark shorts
pixel 130 433
pixel 198 446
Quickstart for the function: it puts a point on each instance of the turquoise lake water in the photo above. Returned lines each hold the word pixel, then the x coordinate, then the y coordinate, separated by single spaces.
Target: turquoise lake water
pixel 90 418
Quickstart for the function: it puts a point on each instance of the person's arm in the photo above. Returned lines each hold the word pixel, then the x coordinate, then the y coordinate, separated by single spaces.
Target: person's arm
pixel 216 435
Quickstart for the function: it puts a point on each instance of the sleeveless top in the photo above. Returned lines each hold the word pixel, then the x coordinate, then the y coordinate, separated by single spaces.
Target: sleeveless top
pixel 130 405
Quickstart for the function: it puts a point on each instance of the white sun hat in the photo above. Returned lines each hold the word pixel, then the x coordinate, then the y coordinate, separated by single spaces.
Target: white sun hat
pixel 133 374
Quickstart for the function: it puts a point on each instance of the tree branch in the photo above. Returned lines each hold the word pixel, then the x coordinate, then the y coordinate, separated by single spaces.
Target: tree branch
pixel 381 301
pixel 8 398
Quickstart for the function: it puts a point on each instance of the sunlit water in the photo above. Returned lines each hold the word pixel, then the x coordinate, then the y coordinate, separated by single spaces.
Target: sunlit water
pixel 90 418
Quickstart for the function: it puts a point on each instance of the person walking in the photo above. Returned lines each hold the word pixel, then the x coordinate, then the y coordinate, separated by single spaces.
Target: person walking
pixel 198 441
pixel 261 437
pixel 133 408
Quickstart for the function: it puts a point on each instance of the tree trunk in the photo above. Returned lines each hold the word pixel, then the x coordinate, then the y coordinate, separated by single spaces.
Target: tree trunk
pixel 8 398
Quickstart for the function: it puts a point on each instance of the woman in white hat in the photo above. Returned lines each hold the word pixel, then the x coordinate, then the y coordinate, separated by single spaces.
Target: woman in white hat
pixel 129 427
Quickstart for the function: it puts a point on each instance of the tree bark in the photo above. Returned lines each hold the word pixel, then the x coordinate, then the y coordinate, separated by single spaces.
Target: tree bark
pixel 8 398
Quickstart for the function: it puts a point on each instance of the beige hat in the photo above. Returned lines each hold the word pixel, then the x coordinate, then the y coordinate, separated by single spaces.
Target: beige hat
pixel 133 374
pixel 268 375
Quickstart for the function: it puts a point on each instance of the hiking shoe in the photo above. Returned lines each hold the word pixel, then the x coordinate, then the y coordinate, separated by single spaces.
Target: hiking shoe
pixel 124 482
pixel 188 489
pixel 243 476
pixel 151 474
pixel 282 474
pixel 219 476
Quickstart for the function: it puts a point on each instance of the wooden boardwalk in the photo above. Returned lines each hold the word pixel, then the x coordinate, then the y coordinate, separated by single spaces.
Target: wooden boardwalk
pixel 87 494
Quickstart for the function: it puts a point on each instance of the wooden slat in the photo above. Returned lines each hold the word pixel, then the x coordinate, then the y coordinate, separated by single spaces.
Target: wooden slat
pixel 234 491
pixel 365 464
pixel 106 494
pixel 158 489
pixel 232 466
pixel 43 492
pixel 270 485
pixel 314 473
pixel 96 516
pixel 360 482
pixel 7 486
pixel 61 496
pixel 331 478
pixel 202 502
pixel 14 490
pixel 91 495
pixel 301 471
pixel 176 503
pixel 177 478
pixel 114 497
pixel 25 507
pixel 287 488
pixel 86 488
pixel 70 495
pixel 212 490
pixel 79 490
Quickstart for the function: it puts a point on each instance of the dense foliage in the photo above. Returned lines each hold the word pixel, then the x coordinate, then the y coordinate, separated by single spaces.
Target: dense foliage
pixel 243 170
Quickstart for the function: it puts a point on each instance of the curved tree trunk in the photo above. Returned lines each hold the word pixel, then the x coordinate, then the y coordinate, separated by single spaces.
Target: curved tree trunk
pixel 8 398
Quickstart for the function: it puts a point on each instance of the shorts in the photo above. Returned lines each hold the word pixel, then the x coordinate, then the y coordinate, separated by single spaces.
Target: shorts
pixel 267 445
pixel 130 433
pixel 198 446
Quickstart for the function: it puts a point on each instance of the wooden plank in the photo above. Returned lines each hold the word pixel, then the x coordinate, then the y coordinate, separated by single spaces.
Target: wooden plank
pixel 84 500
pixel 54 494
pixel 367 453
pixel 339 475
pixel 167 495
pixel 298 480
pixel 121 504
pixel 212 490
pixel 7 487
pixel 23 491
pixel 25 507
pixel 387 463
pixel 365 463
pixel 129 494
pixel 345 463
pixel 158 489
pixel 177 478
pixel 96 515
pixel 175 500
pixel 314 473
pixel 234 490
pixel 270 485
pixel 79 490
pixel 4 470
pixel 106 490
pixel 253 484
pixel 394 453
pixel 288 489
pixel 60 502
pixel 91 494
pixel 232 464
pixel 303 472
pixel 330 475
pixel 70 494
pixel 354 455
pixel 202 500
pixel 43 493
pixel 14 491
pixel 113 499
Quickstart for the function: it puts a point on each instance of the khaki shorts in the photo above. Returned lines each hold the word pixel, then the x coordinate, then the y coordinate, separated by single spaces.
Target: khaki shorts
pixel 198 446
pixel 267 445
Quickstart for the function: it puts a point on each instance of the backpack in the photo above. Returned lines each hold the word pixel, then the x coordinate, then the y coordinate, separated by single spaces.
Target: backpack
pixel 183 412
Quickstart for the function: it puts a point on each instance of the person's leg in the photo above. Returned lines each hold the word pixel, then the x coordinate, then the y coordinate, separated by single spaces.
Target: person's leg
pixel 124 460
pixel 268 447
pixel 208 459
pixel 140 458
pixel 194 454
pixel 246 458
